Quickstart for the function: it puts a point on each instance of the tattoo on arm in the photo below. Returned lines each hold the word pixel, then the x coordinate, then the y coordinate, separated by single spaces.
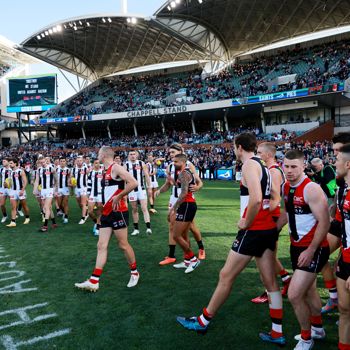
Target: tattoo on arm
pixel 185 180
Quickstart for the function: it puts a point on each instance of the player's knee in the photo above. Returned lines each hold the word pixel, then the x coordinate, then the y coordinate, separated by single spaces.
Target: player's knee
pixel 294 296
pixel 225 276
pixel 102 246
pixel 344 308
pixel 123 245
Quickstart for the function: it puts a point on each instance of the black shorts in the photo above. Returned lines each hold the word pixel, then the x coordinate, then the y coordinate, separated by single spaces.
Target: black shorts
pixel 319 260
pixel 254 243
pixel 343 269
pixel 116 220
pixel 186 212
pixel 335 228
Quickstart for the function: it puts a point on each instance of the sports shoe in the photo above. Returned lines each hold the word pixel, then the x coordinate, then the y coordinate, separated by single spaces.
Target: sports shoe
pixel 285 288
pixel 97 233
pixel 331 306
pixel 134 279
pixel 87 285
pixel 192 324
pixel 94 228
pixel 11 224
pixel 153 211
pixel 54 226
pixel 167 260
pixel 20 213
pixel 149 231
pixel 135 233
pixel 65 221
pixel 315 334
pixel 266 337
pixel 304 344
pixel 26 221
pixel 181 265
pixel 4 218
pixel 201 254
pixel 43 229
pixel 43 218
pixel 81 222
pixel 261 299
pixel 192 266
pixel 60 213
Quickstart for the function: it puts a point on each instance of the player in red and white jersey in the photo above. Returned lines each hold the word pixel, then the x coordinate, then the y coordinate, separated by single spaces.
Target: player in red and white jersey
pixel 267 153
pixel 341 224
pixel 306 212
pixel 4 192
pixel 256 237
pixel 116 184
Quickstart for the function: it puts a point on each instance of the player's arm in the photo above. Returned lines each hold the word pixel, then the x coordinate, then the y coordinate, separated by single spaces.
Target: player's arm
pixel 275 189
pixel 147 177
pixel 185 179
pixel 315 198
pixel 166 184
pixel 282 220
pixel 24 180
pixel 131 183
pixel 199 182
pixel 251 176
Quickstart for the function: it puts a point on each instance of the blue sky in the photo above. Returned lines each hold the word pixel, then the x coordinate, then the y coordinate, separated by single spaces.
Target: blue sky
pixel 20 19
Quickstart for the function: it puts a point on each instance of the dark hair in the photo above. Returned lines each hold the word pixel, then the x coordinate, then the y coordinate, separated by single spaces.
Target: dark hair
pixel 341 137
pixel 181 156
pixel 294 154
pixel 177 146
pixel 62 158
pixel 15 160
pixel 345 148
pixel 247 141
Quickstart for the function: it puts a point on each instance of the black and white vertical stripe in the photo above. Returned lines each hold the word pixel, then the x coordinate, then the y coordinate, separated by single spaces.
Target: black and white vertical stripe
pixel 95 182
pixel 81 175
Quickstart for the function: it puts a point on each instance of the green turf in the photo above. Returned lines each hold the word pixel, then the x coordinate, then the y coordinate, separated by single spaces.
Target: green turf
pixel 143 317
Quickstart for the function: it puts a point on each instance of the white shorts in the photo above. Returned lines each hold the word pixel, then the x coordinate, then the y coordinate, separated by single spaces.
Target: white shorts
pixel 16 196
pixel 238 176
pixel 80 191
pixel 95 199
pixel 172 201
pixel 137 195
pixel 154 184
pixel 46 193
pixel 4 192
pixel 64 191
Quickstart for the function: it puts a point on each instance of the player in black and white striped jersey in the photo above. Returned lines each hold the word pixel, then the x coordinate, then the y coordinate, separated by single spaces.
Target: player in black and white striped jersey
pixel 4 192
pixel 138 169
pixel 63 180
pixel 152 171
pixel 79 180
pixel 17 185
pixel 47 177
pixel 37 193
pixel 95 194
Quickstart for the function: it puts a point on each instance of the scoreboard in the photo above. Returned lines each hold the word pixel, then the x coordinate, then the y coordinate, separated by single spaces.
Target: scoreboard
pixel 32 93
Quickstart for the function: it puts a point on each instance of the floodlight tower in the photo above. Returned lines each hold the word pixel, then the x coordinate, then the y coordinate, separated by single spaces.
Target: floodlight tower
pixel 124 6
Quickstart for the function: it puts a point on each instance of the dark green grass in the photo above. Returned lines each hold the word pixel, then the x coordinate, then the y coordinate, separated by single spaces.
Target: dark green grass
pixel 143 317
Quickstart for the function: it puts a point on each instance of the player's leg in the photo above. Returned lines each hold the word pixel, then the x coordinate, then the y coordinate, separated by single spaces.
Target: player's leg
pixel 3 207
pixel 47 202
pixel 344 314
pixel 152 199
pixel 146 216
pixel 23 202
pixel 198 237
pixel 135 216
pixel 65 208
pixel 13 203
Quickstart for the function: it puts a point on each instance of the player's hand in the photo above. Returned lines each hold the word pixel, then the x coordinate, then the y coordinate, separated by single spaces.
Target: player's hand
pixel 21 193
pixel 305 257
pixel 194 188
pixel 157 193
pixel 170 180
pixel 347 284
pixel 115 203
pixel 242 224
pixel 171 215
pixel 150 192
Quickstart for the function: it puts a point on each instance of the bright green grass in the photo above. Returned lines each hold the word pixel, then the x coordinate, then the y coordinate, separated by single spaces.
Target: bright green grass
pixel 143 317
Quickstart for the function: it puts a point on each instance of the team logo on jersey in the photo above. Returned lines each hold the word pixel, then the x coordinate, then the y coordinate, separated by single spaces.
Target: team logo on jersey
pixel 312 265
pixel 346 204
pixel 236 243
pixel 298 200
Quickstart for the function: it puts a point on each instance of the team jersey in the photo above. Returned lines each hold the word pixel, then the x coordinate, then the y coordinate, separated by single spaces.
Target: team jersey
pixel 46 176
pixel 277 211
pixel 81 175
pixel 62 177
pixel 16 177
pixel 95 182
pixel 136 170
pixel 302 223
pixel 173 173
pixel 4 174
pixel 151 169
pixel 263 219
pixel 110 188
pixel 189 196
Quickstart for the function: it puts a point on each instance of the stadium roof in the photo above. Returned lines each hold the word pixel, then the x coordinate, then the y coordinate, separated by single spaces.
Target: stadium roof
pixel 216 30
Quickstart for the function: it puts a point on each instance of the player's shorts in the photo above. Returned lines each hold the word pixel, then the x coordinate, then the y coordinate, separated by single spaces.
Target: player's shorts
pixel 80 191
pixel 335 228
pixel 95 199
pixel 16 196
pixel 4 192
pixel 172 201
pixel 154 184
pixel 64 191
pixel 116 220
pixel 343 269
pixel 318 261
pixel 46 193
pixel 255 242
pixel 186 212
pixel 137 195
pixel 238 176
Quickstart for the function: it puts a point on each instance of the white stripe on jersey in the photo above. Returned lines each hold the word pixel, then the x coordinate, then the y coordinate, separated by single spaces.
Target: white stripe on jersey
pixel 136 170
pixel 81 175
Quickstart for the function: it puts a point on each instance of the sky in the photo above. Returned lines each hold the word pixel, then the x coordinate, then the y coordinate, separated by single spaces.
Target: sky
pixel 21 18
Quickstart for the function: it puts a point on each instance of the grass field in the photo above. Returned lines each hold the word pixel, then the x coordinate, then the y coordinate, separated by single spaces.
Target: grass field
pixel 143 317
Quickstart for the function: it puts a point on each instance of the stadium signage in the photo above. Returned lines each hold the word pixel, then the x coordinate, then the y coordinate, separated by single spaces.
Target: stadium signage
pixel 157 111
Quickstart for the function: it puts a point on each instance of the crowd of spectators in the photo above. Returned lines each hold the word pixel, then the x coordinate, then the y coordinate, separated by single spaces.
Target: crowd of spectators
pixel 319 65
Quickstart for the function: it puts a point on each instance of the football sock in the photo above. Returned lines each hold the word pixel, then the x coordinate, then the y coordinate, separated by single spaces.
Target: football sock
pixel 200 244
pixel 133 269
pixel 95 277
pixel 171 251
pixel 276 313
pixel 332 288
pixel 205 318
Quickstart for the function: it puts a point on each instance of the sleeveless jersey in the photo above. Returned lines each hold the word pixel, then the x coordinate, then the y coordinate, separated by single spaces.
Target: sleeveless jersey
pixel 175 191
pixel 136 170
pixel 4 174
pixel 16 177
pixel 46 176
pixel 151 168
pixel 95 182
pixel 80 174
pixel 189 197
pixel 263 219
pixel 277 211
pixel 301 221
pixel 110 188
pixel 62 177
